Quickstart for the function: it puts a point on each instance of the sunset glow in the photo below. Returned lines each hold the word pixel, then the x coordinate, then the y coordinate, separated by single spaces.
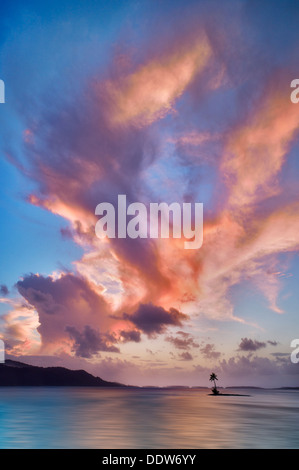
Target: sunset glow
pixel 157 105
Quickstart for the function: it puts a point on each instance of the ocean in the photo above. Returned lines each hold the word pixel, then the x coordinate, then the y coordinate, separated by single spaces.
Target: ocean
pixel 109 418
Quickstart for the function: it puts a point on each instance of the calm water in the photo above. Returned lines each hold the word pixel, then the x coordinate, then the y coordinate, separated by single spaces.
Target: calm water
pixel 146 418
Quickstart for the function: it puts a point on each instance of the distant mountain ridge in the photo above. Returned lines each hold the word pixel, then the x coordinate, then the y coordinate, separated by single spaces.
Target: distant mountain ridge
pixel 14 373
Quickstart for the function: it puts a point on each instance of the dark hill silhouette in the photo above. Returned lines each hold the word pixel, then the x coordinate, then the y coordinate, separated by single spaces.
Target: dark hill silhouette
pixel 13 373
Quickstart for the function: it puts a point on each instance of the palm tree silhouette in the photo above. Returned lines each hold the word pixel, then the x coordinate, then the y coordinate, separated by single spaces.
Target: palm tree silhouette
pixel 213 378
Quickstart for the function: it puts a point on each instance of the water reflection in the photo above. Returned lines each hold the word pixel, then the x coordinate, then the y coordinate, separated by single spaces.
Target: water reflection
pixel 146 418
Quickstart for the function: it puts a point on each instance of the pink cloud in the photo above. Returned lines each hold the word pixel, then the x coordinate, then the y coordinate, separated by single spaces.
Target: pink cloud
pixel 68 300
pixel 257 149
pixel 89 156
pixel 149 93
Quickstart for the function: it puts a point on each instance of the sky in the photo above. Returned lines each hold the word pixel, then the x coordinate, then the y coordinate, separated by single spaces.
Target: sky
pixel 169 101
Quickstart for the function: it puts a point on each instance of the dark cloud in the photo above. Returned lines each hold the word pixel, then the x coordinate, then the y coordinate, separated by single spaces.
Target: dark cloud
pixel 182 340
pixel 4 290
pixel 248 344
pixel 67 300
pixel 66 233
pixel 132 335
pixel 154 320
pixel 273 343
pixel 90 342
pixel 208 351
pixel 186 356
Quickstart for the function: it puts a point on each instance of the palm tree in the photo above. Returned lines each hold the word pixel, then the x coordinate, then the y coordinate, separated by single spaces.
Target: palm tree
pixel 213 378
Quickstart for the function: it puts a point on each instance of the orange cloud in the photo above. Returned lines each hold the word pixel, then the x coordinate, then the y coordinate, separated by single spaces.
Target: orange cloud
pixel 149 93
pixel 195 138
pixel 124 274
pixel 257 150
pixel 20 328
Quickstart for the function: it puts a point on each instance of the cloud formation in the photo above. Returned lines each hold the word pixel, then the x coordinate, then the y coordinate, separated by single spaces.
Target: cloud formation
pixel 272 343
pixel 186 356
pixel 61 302
pixel 201 112
pixel 182 340
pixel 89 342
pixel 149 92
pixel 4 290
pixel 208 351
pixel 153 320
pixel 130 335
pixel 248 344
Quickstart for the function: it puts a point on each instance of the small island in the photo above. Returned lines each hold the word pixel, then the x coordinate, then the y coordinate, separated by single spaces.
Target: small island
pixel 216 393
